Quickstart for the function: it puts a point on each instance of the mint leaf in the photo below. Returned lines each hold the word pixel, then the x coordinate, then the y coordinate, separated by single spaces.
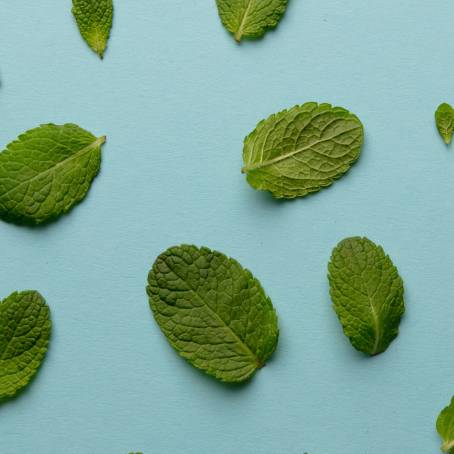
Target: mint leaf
pixel 250 18
pixel 302 150
pixel 24 335
pixel 94 19
pixel 213 312
pixel 444 118
pixel 367 294
pixel 445 427
pixel 46 171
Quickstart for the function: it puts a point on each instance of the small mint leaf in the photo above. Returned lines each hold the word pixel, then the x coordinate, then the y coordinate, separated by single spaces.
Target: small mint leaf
pixel 46 171
pixel 444 119
pixel 94 19
pixel 302 150
pixel 367 294
pixel 250 18
pixel 25 328
pixel 213 312
pixel 445 427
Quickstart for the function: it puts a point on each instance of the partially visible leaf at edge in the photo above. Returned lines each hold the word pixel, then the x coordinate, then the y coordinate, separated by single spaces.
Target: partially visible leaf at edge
pixel 445 427
pixel 212 311
pixel 25 328
pixel 94 19
pixel 46 171
pixel 444 119
pixel 250 18
pixel 302 150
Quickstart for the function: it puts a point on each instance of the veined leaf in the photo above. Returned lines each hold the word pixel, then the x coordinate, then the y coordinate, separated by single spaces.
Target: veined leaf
pixel 367 294
pixel 444 118
pixel 445 427
pixel 302 150
pixel 94 19
pixel 250 18
pixel 46 171
pixel 213 312
pixel 24 336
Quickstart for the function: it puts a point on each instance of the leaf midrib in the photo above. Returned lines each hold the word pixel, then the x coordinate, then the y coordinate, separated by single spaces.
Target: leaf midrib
pixel 239 32
pixel 98 142
pixel 447 446
pixel 277 159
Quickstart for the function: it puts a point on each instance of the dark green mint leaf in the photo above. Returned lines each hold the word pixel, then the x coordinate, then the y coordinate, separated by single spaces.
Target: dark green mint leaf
pixel 302 150
pixel 444 118
pixel 94 19
pixel 24 335
pixel 445 427
pixel 367 294
pixel 213 312
pixel 250 18
pixel 46 171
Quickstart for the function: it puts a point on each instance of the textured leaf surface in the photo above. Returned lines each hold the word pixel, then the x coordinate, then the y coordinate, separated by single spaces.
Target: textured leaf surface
pixel 444 118
pixel 46 171
pixel 94 19
pixel 250 18
pixel 445 427
pixel 213 312
pixel 367 294
pixel 24 335
pixel 302 150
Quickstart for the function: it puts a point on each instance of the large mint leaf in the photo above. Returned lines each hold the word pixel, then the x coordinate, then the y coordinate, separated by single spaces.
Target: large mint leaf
pixel 445 427
pixel 444 119
pixel 213 312
pixel 24 335
pixel 94 19
pixel 250 18
pixel 367 294
pixel 46 171
pixel 302 150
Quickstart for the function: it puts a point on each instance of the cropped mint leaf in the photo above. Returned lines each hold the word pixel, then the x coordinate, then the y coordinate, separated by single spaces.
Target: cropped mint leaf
pixel 25 328
pixel 250 18
pixel 444 118
pixel 46 171
pixel 367 294
pixel 302 150
pixel 213 312
pixel 94 19
pixel 445 427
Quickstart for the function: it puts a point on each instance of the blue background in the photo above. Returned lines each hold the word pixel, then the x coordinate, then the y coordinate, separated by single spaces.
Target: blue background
pixel 175 95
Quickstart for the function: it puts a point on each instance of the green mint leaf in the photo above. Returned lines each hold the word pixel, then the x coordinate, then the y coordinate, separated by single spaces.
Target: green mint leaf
pixel 24 335
pixel 367 294
pixel 444 118
pixel 445 427
pixel 94 19
pixel 250 18
pixel 46 171
pixel 213 312
pixel 302 150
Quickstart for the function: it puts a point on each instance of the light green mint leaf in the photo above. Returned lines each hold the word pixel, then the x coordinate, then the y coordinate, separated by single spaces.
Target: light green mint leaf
pixel 94 19
pixel 302 150
pixel 250 18
pixel 445 427
pixel 213 312
pixel 367 294
pixel 25 328
pixel 46 171
pixel 444 118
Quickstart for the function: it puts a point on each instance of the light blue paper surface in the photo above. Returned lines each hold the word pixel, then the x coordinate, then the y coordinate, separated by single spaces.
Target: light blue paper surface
pixel 175 96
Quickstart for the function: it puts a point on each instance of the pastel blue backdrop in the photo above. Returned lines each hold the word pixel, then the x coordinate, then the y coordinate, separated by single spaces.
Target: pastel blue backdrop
pixel 176 95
